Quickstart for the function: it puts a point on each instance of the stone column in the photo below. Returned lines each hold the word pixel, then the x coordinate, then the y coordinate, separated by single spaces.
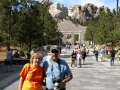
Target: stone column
pixel 79 37
pixel 72 37
pixel 64 38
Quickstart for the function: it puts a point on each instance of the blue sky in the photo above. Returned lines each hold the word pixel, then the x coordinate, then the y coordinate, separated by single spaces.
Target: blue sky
pixel 109 3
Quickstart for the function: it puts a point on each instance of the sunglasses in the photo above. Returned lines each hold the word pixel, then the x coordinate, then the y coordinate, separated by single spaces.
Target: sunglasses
pixel 54 51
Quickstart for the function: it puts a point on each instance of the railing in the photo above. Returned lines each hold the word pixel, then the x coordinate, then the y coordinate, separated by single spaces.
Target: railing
pixel 19 61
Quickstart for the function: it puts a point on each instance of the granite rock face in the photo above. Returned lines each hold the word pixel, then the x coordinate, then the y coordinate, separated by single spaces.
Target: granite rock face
pixel 82 13
pixel 58 10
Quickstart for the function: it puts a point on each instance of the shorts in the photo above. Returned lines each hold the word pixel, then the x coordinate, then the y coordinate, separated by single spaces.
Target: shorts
pixel 8 62
pixel 102 55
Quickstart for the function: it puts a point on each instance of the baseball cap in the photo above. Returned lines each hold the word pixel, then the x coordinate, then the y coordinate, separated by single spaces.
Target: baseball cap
pixel 54 47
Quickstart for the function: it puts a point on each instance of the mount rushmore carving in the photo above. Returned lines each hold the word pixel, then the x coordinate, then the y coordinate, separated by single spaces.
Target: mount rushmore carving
pixel 82 13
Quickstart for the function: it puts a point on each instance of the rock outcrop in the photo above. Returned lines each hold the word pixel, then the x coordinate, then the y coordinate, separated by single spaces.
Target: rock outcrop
pixel 82 13
pixel 58 10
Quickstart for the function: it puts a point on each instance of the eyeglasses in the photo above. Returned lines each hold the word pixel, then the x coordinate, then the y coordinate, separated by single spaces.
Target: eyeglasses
pixel 54 51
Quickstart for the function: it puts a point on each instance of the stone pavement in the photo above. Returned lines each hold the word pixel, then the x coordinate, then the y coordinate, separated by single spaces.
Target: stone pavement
pixel 95 75
pixel 8 78
pixel 92 76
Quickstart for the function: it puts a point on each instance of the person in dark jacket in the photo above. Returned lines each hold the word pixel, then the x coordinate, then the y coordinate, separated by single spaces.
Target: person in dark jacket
pixel 74 58
pixel 96 55
pixel 83 56
pixel 112 56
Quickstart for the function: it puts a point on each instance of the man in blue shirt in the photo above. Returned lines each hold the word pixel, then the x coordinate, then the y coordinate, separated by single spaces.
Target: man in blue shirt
pixel 102 54
pixel 56 68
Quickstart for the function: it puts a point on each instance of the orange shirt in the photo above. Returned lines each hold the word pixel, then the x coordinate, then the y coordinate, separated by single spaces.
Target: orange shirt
pixel 33 76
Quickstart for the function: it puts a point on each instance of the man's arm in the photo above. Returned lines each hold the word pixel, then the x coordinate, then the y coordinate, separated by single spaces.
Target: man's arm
pixel 67 79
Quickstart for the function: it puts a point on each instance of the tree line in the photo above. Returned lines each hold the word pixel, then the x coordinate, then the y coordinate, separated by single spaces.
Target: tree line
pixel 26 23
pixel 104 29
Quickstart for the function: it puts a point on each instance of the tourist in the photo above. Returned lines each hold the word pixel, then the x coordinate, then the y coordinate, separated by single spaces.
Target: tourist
pixel 74 58
pixel 8 61
pixel 102 51
pixel 32 74
pixel 56 70
pixel 79 58
pixel 83 56
pixel 96 55
pixel 112 56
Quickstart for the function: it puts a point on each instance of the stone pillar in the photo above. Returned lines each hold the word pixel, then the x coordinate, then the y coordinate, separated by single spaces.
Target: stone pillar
pixel 79 37
pixel 72 37
pixel 64 38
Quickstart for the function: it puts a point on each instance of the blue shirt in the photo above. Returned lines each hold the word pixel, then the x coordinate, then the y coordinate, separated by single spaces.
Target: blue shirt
pixel 103 51
pixel 55 73
pixel 9 55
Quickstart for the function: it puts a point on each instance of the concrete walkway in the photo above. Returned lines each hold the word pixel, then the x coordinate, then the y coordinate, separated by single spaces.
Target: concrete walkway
pixel 92 76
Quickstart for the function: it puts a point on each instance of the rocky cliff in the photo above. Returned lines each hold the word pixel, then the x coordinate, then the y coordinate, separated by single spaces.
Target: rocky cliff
pixel 82 13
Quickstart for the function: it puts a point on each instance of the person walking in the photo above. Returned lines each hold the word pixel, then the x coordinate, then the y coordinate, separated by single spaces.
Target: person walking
pixel 56 70
pixel 112 56
pixel 83 56
pixel 96 55
pixel 31 76
pixel 102 51
pixel 74 58
pixel 8 61
pixel 87 51
pixel 79 59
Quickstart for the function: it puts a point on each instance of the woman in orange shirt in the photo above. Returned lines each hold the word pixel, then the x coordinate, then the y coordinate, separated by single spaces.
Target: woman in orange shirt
pixel 31 75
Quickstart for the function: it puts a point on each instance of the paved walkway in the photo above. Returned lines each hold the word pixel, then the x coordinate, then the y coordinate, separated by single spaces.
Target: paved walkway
pixel 92 76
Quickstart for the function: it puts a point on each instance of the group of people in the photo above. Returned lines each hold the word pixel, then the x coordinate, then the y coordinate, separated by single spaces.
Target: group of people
pixel 102 52
pixel 78 56
pixel 51 71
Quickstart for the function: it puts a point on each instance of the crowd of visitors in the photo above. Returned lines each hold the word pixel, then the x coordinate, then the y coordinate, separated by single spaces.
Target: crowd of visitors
pixel 79 54
pixel 108 50
pixel 82 51
pixel 50 70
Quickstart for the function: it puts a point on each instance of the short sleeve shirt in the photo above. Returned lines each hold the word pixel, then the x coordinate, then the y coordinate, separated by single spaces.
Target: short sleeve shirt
pixel 79 56
pixel 55 73
pixel 74 55
pixel 33 76
pixel 103 51
pixel 9 55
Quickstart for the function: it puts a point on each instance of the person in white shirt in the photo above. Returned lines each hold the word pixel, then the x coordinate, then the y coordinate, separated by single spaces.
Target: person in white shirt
pixel 87 51
pixel 79 58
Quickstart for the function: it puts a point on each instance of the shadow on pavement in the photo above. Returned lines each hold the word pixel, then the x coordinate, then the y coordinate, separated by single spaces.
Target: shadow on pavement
pixel 86 67
pixel 8 78
pixel 88 63
pixel 65 56
pixel 9 83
